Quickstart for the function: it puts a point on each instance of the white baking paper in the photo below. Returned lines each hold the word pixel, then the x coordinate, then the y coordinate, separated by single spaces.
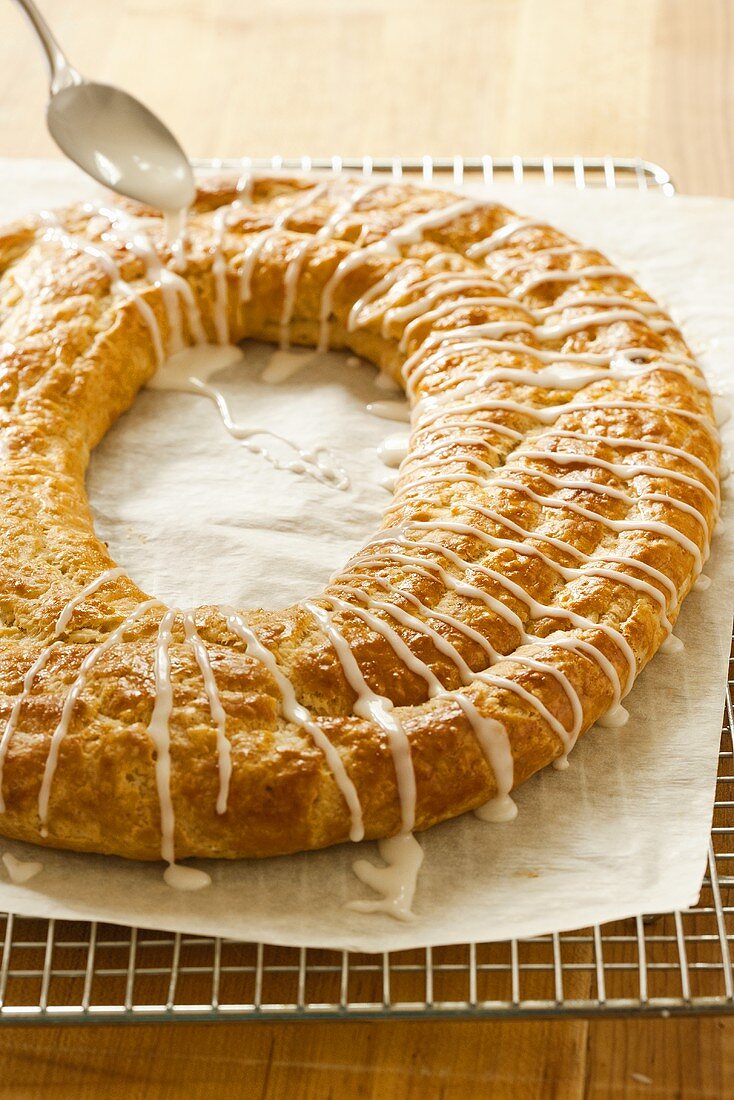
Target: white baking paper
pixel 196 518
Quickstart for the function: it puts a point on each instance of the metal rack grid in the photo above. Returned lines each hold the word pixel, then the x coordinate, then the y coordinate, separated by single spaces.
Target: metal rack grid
pixel 581 172
pixel 62 971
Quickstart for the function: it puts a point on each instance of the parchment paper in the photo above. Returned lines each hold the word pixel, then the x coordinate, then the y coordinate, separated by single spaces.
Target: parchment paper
pixel 196 518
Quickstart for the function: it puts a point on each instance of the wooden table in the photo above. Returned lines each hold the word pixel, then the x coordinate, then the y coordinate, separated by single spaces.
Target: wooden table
pixel 634 77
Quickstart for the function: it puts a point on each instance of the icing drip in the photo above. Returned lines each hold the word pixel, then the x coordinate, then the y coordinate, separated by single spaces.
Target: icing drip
pixel 390 410
pixel 160 734
pixel 722 409
pixel 187 879
pixel 614 718
pixel 495 745
pixel 498 810
pixel 393 450
pixel 188 372
pixel 219 273
pixel 295 265
pixel 20 871
pixel 702 583
pixel 174 226
pixel 224 750
pixel 159 731
pixel 375 708
pixel 128 231
pixel 672 645
pixel 220 221
pixel 284 365
pixel 396 881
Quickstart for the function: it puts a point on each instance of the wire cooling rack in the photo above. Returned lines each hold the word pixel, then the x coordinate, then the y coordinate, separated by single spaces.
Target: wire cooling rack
pixel 63 971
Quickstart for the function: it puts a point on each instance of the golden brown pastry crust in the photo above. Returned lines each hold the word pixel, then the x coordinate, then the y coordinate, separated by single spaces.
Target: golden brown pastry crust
pixel 75 351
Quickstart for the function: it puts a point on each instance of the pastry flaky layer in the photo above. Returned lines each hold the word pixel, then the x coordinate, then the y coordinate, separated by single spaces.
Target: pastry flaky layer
pixel 553 511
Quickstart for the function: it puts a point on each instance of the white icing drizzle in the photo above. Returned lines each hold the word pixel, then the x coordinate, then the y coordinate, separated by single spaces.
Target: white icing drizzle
pixel 118 285
pixel 425 567
pixel 501 236
pixel 560 483
pixel 672 645
pixel 219 274
pixel 42 660
pixel 219 718
pixel 617 364
pixel 20 871
pixel 702 583
pixel 567 573
pixel 160 733
pixel 639 305
pixel 664 529
pixel 515 263
pixel 129 231
pixel 71 699
pixel 301 249
pixel 548 333
pixel 599 271
pixel 295 712
pixel 490 733
pixel 536 609
pixel 399 276
pixel 410 232
pixel 174 228
pixel 188 372
pixel 373 707
pixel 67 612
pixel 432 289
pixel 396 881
pixel 258 242
pixel 220 220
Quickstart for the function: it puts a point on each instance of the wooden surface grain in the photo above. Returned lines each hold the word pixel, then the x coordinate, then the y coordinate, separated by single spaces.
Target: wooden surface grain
pixel 649 78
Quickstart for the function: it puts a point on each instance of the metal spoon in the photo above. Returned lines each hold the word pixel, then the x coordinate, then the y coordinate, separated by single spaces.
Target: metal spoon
pixel 111 135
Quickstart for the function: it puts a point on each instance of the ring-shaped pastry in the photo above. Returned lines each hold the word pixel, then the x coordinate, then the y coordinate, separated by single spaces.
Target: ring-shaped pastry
pixel 554 509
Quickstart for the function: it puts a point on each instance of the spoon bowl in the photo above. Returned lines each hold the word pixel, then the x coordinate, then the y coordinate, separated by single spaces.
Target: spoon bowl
pixel 115 139
pixel 111 135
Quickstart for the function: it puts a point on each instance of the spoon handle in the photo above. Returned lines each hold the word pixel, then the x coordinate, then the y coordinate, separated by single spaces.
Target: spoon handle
pixel 61 72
